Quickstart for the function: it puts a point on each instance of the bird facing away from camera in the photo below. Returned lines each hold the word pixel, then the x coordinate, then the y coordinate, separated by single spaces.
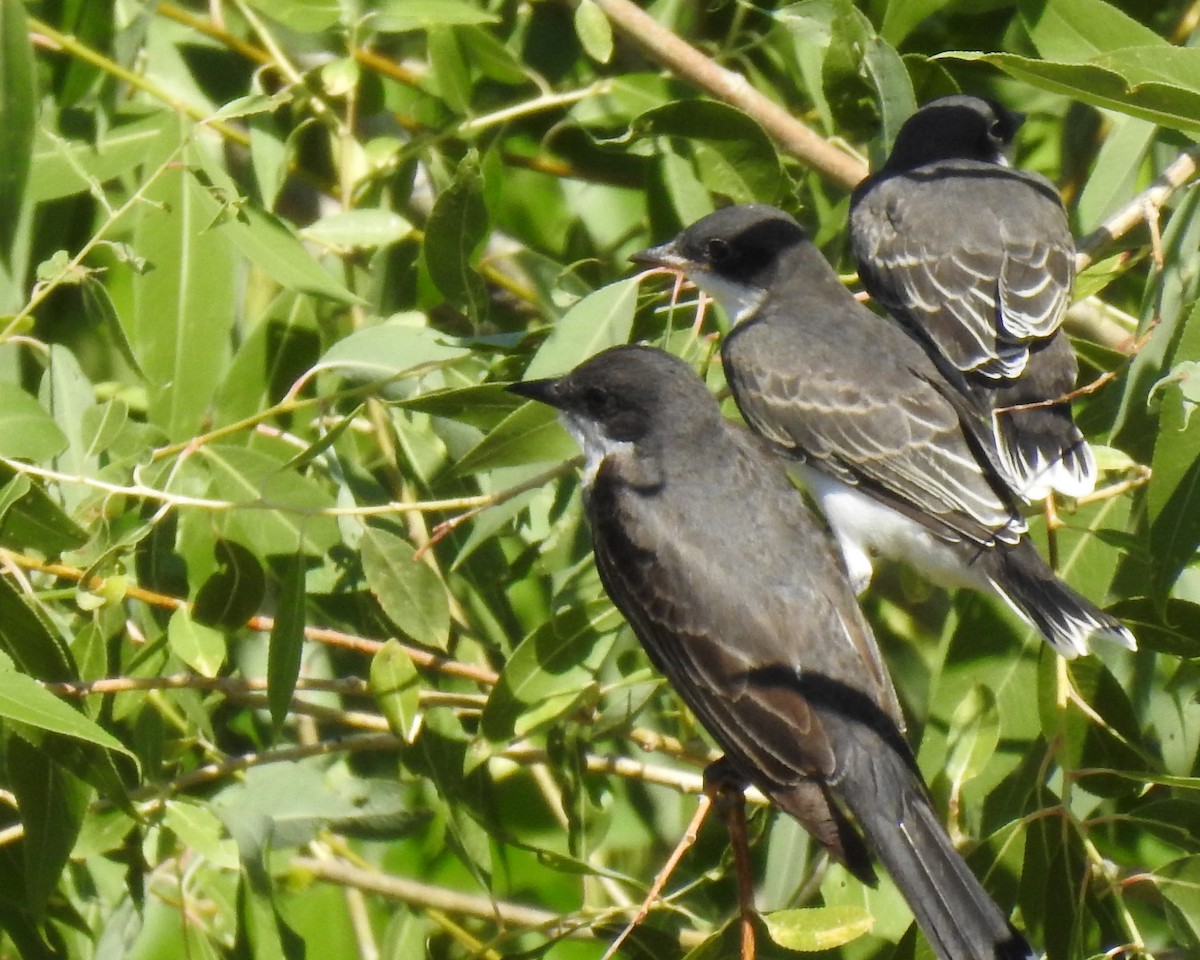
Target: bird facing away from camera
pixel 737 595
pixel 901 461
pixel 977 259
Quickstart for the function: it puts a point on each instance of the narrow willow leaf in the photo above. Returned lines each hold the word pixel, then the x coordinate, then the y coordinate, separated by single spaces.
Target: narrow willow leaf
pixel 18 116
pixel 601 319
pixel 410 593
pixel 52 804
pixel 818 928
pixel 286 648
pixel 1078 30
pixel 29 518
pixel 974 733
pixel 1159 84
pixel 530 434
pixel 184 305
pixel 63 168
pixel 275 249
pixel 388 350
pixel 395 684
pixel 359 229
pixel 303 16
pixel 594 31
pixel 401 16
pixel 456 227
pixel 282 508
pixel 35 648
pixel 26 701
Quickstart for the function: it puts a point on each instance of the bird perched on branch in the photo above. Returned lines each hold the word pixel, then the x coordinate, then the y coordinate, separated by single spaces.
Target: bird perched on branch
pixel 900 458
pixel 738 597
pixel 977 259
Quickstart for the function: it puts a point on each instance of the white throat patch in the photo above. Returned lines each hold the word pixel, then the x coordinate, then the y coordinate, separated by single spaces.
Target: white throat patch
pixel 740 301
pixel 594 443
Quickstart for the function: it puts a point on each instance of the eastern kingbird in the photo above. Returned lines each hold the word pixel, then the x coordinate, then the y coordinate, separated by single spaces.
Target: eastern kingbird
pixel 738 597
pixel 902 462
pixel 977 259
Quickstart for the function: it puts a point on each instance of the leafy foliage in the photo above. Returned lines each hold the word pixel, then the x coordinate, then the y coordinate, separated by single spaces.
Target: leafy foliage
pixel 302 652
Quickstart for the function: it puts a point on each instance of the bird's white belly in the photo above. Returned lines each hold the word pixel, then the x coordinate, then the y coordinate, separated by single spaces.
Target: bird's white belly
pixel 865 529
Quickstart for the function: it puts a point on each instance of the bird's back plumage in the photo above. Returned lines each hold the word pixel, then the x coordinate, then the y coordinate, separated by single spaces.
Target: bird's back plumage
pixel 977 260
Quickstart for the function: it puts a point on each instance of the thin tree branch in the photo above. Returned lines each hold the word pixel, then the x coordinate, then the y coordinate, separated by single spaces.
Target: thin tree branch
pixel 425 895
pixel 1182 169
pixel 734 89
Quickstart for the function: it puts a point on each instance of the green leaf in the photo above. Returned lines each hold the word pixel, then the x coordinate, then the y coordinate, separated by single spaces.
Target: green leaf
pixel 401 16
pixel 232 595
pixel 201 648
pixel 52 804
pixel 1173 495
pixel 280 510
pixel 1172 627
pixel 34 647
pixel 1074 31
pixel 734 156
pixel 18 117
pixel 389 350
pixel 285 651
pixel 1158 84
pixel 409 591
pixel 184 304
pixel 395 684
pixel 600 320
pixel 29 518
pixel 456 227
pixel 358 229
pixel 530 434
pixel 63 168
pixel 594 31
pixel 270 245
pixel 304 16
pixel 27 431
pixel 24 700
pixel 902 16
pixel 974 734
pixel 552 668
pixel 818 928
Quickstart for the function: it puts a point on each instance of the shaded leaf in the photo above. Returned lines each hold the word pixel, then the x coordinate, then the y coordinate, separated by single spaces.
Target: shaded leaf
pixel 285 650
pixel 395 685
pixel 456 227
pixel 18 116
pixel 410 593
pixel 233 594
pixel 52 804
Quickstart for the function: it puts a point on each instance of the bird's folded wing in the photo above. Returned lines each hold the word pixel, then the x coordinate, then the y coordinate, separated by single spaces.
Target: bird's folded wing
pixel 902 444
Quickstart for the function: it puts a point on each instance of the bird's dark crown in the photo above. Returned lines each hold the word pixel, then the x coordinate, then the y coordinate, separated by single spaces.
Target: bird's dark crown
pixel 741 242
pixel 954 128
pixel 629 390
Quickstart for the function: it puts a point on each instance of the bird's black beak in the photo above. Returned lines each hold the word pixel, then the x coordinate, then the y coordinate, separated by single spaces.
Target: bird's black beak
pixel 544 391
pixel 664 255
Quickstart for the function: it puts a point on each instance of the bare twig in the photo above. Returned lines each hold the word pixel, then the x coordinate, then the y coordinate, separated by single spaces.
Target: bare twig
pixel 732 88
pixel 1182 169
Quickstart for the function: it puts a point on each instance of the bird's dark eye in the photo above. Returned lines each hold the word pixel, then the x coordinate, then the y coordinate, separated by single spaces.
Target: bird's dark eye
pixel 597 402
pixel 718 250
pixel 997 130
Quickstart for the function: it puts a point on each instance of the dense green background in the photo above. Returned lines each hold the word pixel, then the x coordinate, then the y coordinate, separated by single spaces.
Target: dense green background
pixel 262 263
